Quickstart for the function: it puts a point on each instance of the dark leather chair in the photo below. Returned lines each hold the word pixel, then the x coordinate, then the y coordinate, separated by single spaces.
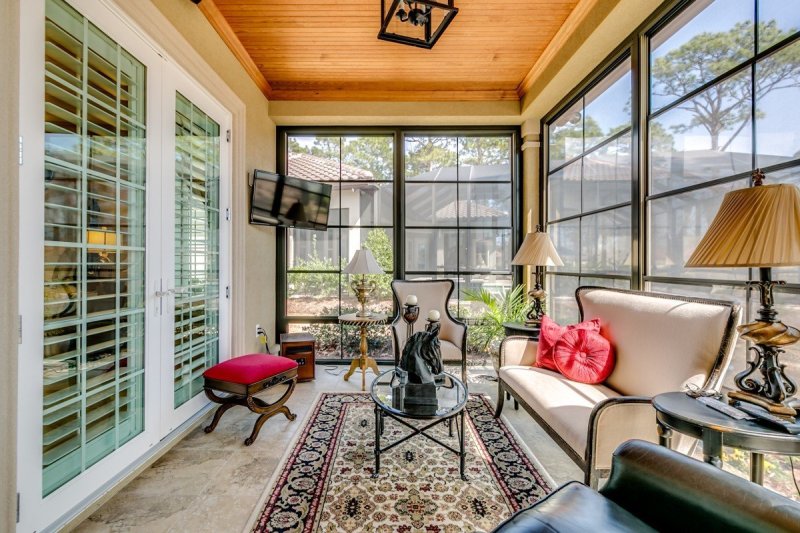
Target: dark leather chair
pixel 652 488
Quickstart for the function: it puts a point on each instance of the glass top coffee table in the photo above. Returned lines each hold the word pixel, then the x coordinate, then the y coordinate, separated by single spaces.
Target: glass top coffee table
pixel 443 401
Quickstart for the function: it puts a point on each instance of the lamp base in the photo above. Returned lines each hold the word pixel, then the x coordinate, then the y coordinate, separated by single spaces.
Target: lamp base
pixel 773 407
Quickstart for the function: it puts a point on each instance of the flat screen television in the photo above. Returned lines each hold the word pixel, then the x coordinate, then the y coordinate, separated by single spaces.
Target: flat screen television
pixel 278 200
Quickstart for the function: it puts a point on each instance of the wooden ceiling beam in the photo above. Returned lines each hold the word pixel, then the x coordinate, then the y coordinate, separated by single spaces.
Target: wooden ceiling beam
pixel 581 11
pixel 217 20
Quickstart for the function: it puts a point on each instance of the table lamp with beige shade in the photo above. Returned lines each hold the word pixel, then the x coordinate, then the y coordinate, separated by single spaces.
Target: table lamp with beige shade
pixel 759 227
pixel 537 250
pixel 363 262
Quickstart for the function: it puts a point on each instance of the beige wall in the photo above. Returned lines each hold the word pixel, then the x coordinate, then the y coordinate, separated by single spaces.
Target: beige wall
pixel 9 221
pixel 254 251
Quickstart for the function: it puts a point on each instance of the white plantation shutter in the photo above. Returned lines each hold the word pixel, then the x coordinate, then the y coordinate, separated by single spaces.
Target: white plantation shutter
pixel 197 180
pixel 94 246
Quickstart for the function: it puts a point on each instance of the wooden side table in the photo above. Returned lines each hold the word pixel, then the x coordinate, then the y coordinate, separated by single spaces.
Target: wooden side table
pixel 363 362
pixel 300 347
pixel 675 411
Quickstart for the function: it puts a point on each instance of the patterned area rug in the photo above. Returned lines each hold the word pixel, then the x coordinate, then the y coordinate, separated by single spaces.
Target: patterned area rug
pixel 325 483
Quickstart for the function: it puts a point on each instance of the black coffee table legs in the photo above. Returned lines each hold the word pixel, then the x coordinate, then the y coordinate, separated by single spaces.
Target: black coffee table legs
pixel 460 429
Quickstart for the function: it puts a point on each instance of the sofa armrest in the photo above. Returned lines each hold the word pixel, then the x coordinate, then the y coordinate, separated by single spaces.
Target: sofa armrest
pixel 612 422
pixel 672 492
pixel 517 350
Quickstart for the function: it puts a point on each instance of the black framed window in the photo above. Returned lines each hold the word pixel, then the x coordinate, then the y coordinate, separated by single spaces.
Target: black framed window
pixel 361 170
pixel 589 188
pixel 458 223
pixel 428 204
pixel 724 77
pixel 714 91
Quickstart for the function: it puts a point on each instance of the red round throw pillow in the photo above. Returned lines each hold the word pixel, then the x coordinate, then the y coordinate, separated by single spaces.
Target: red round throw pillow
pixel 548 337
pixel 584 356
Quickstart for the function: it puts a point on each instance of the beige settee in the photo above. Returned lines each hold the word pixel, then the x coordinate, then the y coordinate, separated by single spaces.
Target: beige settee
pixel 662 343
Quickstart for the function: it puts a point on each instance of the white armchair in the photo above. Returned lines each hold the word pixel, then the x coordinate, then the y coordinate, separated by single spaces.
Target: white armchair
pixel 431 294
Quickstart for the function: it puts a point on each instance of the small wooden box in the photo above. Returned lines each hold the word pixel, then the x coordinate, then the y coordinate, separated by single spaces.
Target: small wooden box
pixel 301 348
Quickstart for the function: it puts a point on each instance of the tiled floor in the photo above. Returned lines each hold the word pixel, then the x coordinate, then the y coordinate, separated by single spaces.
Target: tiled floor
pixel 213 482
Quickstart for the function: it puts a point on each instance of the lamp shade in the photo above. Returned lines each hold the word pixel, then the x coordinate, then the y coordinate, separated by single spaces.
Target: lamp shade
pixel 537 249
pixel 754 227
pixel 363 262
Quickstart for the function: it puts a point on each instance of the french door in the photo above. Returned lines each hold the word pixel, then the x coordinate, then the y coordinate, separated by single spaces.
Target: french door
pixel 123 251
pixel 195 248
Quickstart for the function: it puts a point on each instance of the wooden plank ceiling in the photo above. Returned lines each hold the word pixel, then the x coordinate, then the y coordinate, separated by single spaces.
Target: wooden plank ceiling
pixel 328 49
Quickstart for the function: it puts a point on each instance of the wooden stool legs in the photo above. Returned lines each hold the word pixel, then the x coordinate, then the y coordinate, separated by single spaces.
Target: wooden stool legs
pixel 257 405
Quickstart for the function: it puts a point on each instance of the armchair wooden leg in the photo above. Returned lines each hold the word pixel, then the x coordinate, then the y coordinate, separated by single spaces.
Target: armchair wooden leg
pixel 501 397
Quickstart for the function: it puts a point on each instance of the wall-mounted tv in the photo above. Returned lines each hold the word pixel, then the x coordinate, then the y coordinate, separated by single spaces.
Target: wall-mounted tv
pixel 278 200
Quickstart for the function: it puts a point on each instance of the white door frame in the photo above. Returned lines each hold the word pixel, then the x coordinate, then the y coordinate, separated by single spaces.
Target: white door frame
pixel 37 512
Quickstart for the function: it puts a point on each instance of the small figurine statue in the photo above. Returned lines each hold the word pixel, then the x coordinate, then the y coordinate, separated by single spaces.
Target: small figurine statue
pixel 422 355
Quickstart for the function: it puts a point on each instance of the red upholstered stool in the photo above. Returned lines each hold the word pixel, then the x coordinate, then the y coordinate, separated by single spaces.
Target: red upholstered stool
pixel 242 377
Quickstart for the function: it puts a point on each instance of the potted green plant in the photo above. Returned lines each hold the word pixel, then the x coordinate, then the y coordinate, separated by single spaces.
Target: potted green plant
pixel 509 306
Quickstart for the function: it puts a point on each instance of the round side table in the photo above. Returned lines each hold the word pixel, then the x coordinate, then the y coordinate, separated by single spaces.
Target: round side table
pixel 519 328
pixel 675 411
pixel 363 362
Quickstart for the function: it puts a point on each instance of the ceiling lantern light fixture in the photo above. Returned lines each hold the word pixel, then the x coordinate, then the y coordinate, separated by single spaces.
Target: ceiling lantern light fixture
pixel 416 23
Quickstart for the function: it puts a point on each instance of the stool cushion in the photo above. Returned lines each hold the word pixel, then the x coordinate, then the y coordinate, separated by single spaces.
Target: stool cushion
pixel 249 369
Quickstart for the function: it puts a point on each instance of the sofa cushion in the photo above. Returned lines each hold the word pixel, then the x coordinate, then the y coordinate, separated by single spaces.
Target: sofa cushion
pixel 584 356
pixel 563 404
pixel 662 342
pixel 549 334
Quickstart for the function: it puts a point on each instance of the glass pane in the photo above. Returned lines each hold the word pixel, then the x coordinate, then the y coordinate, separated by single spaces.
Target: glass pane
pixel 608 106
pixel 606 242
pixel 704 41
pixel 485 204
pixel 367 158
pixel 677 223
pixel 777 84
pixel 485 249
pixel 430 250
pixel 777 20
pixel 788 306
pixel 429 204
pixel 314 250
pixel 366 204
pixel 564 191
pixel 380 300
pixel 607 175
pixel 496 285
pixel 316 158
pixel 197 291
pixel 328 337
pixel 561 304
pixel 379 343
pixel 379 241
pixel 606 282
pixel 94 246
pixel 431 159
pixel 705 138
pixel 484 159
pixel 565 140
pixel 312 294
pixel 566 239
